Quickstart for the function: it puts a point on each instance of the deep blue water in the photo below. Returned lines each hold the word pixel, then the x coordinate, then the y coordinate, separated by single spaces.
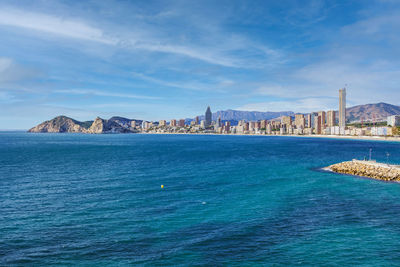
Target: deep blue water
pixel 70 199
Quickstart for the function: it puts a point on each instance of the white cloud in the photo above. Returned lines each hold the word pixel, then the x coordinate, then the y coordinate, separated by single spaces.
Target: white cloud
pixel 214 49
pixel 103 93
pixel 200 54
pixel 53 25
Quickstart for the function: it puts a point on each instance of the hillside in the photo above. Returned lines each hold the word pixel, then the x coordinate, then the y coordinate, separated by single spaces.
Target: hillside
pixel 60 124
pixel 367 112
pixel 63 124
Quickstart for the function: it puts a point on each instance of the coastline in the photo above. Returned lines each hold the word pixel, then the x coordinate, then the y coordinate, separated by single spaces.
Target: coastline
pixel 348 137
pixel 366 138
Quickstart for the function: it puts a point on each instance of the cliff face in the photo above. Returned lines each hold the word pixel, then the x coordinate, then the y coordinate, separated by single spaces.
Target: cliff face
pixel 62 124
pixel 100 126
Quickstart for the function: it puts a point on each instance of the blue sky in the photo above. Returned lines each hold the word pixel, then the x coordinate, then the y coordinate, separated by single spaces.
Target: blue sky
pixel 170 59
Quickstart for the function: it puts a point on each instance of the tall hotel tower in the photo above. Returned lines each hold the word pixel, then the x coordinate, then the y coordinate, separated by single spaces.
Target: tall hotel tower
pixel 208 117
pixel 342 107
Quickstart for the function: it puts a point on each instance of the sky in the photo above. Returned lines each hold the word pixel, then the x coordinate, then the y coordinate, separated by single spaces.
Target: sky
pixel 157 60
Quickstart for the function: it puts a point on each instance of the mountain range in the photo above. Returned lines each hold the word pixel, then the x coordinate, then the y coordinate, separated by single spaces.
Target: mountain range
pixel 353 114
pixel 62 124
pixel 371 112
pixel 237 115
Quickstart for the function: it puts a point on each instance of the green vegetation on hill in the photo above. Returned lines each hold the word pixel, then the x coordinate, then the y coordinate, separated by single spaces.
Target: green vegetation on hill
pixel 86 124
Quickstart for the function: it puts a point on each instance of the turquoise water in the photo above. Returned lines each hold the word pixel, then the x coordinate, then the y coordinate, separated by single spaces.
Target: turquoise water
pixel 70 199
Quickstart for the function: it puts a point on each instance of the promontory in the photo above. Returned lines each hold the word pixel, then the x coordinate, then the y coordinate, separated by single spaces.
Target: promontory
pixel 63 124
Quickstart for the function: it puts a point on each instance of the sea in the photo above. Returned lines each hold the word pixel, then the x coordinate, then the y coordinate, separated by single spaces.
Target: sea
pixel 193 200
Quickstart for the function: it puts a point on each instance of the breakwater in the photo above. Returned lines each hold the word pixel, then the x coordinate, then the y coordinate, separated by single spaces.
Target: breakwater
pixel 369 169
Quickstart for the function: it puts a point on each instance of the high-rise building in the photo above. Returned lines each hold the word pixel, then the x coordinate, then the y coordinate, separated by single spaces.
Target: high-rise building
pixel 219 122
pixel 299 121
pixel 181 123
pixel 208 117
pixel 313 115
pixel 146 125
pixel 173 123
pixel 393 120
pixel 318 124
pixel 331 120
pixel 263 124
pixel 323 118
pixel 227 126
pixel 269 129
pixel 162 123
pixel 252 125
pixel 309 123
pixel 197 120
pixel 342 107
pixel 287 120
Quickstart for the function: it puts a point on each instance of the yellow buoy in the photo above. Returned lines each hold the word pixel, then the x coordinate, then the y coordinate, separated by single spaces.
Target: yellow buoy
pixel 162 186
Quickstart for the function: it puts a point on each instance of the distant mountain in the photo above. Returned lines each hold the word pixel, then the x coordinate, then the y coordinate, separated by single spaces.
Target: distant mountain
pixel 63 124
pixel 237 115
pixel 353 114
pixel 367 112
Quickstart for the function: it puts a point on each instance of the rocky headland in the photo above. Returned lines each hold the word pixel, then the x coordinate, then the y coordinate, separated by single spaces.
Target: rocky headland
pixel 370 169
pixel 63 124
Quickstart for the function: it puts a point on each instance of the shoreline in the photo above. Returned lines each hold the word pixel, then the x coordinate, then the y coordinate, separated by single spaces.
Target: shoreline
pixel 349 137
pixel 367 138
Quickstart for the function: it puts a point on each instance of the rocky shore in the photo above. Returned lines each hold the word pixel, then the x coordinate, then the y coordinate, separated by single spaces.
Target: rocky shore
pixel 63 124
pixel 370 169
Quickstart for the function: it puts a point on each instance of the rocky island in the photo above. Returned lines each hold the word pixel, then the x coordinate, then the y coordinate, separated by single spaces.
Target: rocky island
pixel 63 124
pixel 370 169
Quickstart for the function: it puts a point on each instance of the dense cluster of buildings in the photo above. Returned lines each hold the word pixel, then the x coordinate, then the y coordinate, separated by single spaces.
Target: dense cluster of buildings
pixel 318 123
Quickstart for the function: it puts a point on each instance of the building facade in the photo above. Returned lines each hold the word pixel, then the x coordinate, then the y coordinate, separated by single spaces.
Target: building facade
pixel 393 120
pixel 208 117
pixel 309 123
pixel 318 124
pixel 286 120
pixel 322 114
pixel 331 120
pixel 299 121
pixel 342 107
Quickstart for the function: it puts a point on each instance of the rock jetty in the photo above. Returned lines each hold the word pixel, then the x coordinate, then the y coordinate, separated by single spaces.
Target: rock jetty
pixel 370 169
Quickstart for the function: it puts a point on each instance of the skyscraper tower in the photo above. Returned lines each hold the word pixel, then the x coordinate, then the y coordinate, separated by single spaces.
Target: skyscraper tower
pixel 208 117
pixel 342 107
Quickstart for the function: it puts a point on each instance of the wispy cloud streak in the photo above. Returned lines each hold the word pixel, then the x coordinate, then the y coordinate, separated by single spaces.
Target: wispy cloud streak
pixel 103 93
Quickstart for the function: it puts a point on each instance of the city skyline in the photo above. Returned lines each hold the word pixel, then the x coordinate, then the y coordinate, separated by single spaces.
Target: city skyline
pixel 153 60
